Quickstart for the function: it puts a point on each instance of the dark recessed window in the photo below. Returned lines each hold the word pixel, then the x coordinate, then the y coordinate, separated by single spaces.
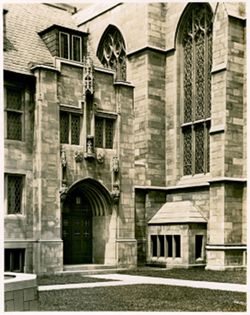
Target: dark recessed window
pixel 161 245
pixel 76 48
pixel 154 245
pixel 14 259
pixel 169 246
pixel 104 132
pixel 64 45
pixel 177 242
pixel 70 128
pixel 14 185
pixel 198 246
pixel 14 111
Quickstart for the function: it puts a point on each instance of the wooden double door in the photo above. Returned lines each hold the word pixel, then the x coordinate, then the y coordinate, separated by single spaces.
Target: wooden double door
pixel 77 231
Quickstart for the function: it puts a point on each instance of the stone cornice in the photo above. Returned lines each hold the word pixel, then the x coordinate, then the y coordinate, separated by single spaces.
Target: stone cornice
pixel 228 179
pixel 44 67
pixel 226 246
pixel 145 48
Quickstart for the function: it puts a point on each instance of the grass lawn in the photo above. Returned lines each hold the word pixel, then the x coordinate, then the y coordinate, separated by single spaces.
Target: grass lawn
pixel 199 274
pixel 142 297
pixel 66 278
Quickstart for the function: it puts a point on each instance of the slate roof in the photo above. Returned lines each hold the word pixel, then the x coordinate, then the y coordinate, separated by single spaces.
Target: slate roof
pixel 178 212
pixel 24 45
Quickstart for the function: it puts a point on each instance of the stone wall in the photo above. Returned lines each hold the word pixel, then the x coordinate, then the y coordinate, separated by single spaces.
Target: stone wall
pixel 46 183
pixel 20 292
pixel 18 160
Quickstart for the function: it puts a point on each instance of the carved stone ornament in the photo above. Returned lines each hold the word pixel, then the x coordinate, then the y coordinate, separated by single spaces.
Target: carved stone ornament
pixel 63 158
pixel 115 192
pixel 115 164
pixel 89 148
pixel 88 76
pixel 63 193
pixel 100 157
pixel 78 156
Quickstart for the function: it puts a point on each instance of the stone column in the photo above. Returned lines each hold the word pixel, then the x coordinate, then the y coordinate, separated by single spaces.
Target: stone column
pixel 46 201
pixel 126 242
pixel 225 228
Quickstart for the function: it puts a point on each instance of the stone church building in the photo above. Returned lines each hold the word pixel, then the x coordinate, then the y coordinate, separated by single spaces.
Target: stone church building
pixel 125 135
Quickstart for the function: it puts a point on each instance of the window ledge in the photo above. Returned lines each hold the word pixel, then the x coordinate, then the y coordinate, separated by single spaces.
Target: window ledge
pixel 194 180
pixel 124 83
pixel 105 114
pixel 15 216
pixel 217 129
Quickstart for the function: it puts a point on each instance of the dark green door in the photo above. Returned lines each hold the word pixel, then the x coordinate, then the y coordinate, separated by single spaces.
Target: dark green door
pixel 77 231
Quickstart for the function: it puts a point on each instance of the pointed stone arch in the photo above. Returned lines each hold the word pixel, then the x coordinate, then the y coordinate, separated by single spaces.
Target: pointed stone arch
pixel 88 224
pixel 112 52
pixel 97 194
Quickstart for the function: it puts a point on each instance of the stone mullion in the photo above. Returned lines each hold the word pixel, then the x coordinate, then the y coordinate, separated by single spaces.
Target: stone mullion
pixel 193 95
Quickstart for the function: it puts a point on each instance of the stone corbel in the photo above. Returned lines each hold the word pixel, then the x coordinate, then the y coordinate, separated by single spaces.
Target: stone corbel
pixel 116 193
pixel 63 158
pixel 100 156
pixel 115 164
pixel 63 193
pixel 78 157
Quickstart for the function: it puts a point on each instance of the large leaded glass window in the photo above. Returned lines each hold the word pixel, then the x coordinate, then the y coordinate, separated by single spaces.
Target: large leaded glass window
pixel 196 41
pixel 14 112
pixel 70 128
pixel 112 52
pixel 104 132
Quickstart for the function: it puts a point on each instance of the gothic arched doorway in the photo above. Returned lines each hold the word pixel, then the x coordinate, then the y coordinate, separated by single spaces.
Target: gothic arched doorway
pixel 88 224
pixel 77 229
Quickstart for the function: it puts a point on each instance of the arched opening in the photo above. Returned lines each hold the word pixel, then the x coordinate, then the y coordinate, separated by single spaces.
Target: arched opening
pixel 88 224
pixel 112 52
pixel 194 85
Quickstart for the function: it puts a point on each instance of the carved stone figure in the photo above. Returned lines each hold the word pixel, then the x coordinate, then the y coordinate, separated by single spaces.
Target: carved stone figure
pixel 78 156
pixel 115 164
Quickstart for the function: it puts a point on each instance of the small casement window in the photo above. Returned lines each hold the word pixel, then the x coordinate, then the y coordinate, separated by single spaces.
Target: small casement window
pixel 64 45
pixel 104 132
pixel 177 245
pixel 198 246
pixel 14 259
pixel 166 246
pixel 14 113
pixel 70 46
pixel 14 187
pixel 169 239
pixel 154 245
pixel 76 48
pixel 70 128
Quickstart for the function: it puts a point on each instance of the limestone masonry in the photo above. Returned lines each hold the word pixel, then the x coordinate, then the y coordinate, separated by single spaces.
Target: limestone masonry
pixel 125 135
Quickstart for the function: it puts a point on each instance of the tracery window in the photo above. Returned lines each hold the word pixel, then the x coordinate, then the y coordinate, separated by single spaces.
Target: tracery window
pixel 112 52
pixel 196 41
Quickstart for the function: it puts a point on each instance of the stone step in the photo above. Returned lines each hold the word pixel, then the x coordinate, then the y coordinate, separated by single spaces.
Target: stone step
pixel 89 269
pixel 85 267
pixel 90 272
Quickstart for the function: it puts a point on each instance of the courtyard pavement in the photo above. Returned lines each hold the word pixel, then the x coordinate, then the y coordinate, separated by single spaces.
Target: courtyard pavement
pixel 121 279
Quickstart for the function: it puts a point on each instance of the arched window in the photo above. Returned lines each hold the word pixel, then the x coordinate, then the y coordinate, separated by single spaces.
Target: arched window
pixel 196 64
pixel 112 52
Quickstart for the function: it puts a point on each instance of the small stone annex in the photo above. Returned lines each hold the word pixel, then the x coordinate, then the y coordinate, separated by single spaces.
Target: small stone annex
pixel 125 135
